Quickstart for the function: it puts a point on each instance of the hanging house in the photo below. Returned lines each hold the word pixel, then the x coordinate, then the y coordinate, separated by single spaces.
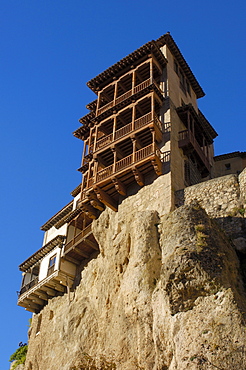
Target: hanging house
pixel 144 123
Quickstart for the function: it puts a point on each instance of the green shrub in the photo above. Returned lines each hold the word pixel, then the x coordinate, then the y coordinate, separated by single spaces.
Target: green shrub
pixel 19 356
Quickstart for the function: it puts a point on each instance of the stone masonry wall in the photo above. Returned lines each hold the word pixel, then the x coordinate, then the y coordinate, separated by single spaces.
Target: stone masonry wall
pixel 242 183
pixel 223 198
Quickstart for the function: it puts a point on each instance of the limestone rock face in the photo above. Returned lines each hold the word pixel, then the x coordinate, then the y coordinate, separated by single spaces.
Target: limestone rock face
pixel 164 293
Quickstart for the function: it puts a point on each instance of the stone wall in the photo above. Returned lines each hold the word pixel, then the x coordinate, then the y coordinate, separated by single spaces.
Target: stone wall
pixel 154 196
pixel 223 198
pixel 242 183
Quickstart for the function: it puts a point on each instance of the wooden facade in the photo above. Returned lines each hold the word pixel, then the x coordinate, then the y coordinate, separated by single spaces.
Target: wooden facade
pixel 123 133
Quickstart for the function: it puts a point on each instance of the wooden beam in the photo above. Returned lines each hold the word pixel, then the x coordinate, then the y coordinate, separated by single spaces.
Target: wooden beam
pixel 139 76
pixel 94 201
pixel 138 176
pixel 91 244
pixel 90 211
pixel 119 186
pixel 97 204
pixel 42 295
pixel 71 259
pixel 33 310
pixel 29 304
pixel 49 291
pixel 122 86
pixel 102 161
pixel 105 96
pixel 37 300
pixel 82 254
pixel 156 63
pixel 140 110
pixel 105 198
pixel 119 152
pixel 58 287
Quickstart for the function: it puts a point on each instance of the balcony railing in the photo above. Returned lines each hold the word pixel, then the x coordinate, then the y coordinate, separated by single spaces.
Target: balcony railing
pixel 133 158
pixel 186 137
pixel 29 285
pixel 78 238
pixel 143 85
pixel 130 127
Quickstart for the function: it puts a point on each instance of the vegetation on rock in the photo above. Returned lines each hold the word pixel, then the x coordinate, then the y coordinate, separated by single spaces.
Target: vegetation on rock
pixel 19 356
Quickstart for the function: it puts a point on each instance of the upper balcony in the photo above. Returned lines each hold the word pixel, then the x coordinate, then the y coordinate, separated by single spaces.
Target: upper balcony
pixel 135 92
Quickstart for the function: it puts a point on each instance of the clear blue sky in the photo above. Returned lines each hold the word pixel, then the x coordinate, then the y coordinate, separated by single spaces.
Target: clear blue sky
pixel 49 50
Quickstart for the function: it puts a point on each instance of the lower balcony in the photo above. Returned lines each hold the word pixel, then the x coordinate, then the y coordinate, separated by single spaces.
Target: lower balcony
pixel 188 143
pixel 34 295
pixel 149 152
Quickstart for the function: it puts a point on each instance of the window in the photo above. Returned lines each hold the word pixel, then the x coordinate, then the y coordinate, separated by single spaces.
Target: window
pixel 188 87
pixel 184 83
pixel 227 166
pixel 176 67
pixel 51 266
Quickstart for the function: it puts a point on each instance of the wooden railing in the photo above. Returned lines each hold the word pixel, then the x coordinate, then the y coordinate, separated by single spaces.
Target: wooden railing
pixel 166 156
pixel 103 174
pixel 128 161
pixel 123 131
pixel 188 136
pixel 137 124
pixel 77 238
pixel 105 140
pixel 142 121
pixel 128 94
pixel 123 163
pixel 105 107
pixel 123 97
pixel 142 86
pixel 29 285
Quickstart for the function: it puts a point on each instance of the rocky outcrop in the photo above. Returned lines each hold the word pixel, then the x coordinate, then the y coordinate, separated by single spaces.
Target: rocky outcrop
pixel 164 293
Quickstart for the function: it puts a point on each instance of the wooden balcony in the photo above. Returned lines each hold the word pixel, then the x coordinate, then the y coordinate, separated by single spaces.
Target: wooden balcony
pixel 147 120
pixel 133 159
pixel 128 94
pixel 28 286
pixel 81 246
pixel 187 142
pixel 34 295
pixel 111 182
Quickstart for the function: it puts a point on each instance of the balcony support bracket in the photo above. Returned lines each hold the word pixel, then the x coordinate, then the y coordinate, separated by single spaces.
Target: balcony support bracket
pixel 105 198
pixel 119 186
pixel 138 176
pixel 94 201
pixel 156 163
pixel 90 211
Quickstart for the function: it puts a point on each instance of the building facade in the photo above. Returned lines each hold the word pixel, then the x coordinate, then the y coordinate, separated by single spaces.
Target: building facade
pixel 144 123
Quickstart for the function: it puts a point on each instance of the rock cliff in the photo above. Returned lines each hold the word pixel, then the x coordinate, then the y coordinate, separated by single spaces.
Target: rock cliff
pixel 166 292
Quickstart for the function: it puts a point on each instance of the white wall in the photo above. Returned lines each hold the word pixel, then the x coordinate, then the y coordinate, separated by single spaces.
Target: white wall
pixel 75 201
pixel 45 263
pixel 53 232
